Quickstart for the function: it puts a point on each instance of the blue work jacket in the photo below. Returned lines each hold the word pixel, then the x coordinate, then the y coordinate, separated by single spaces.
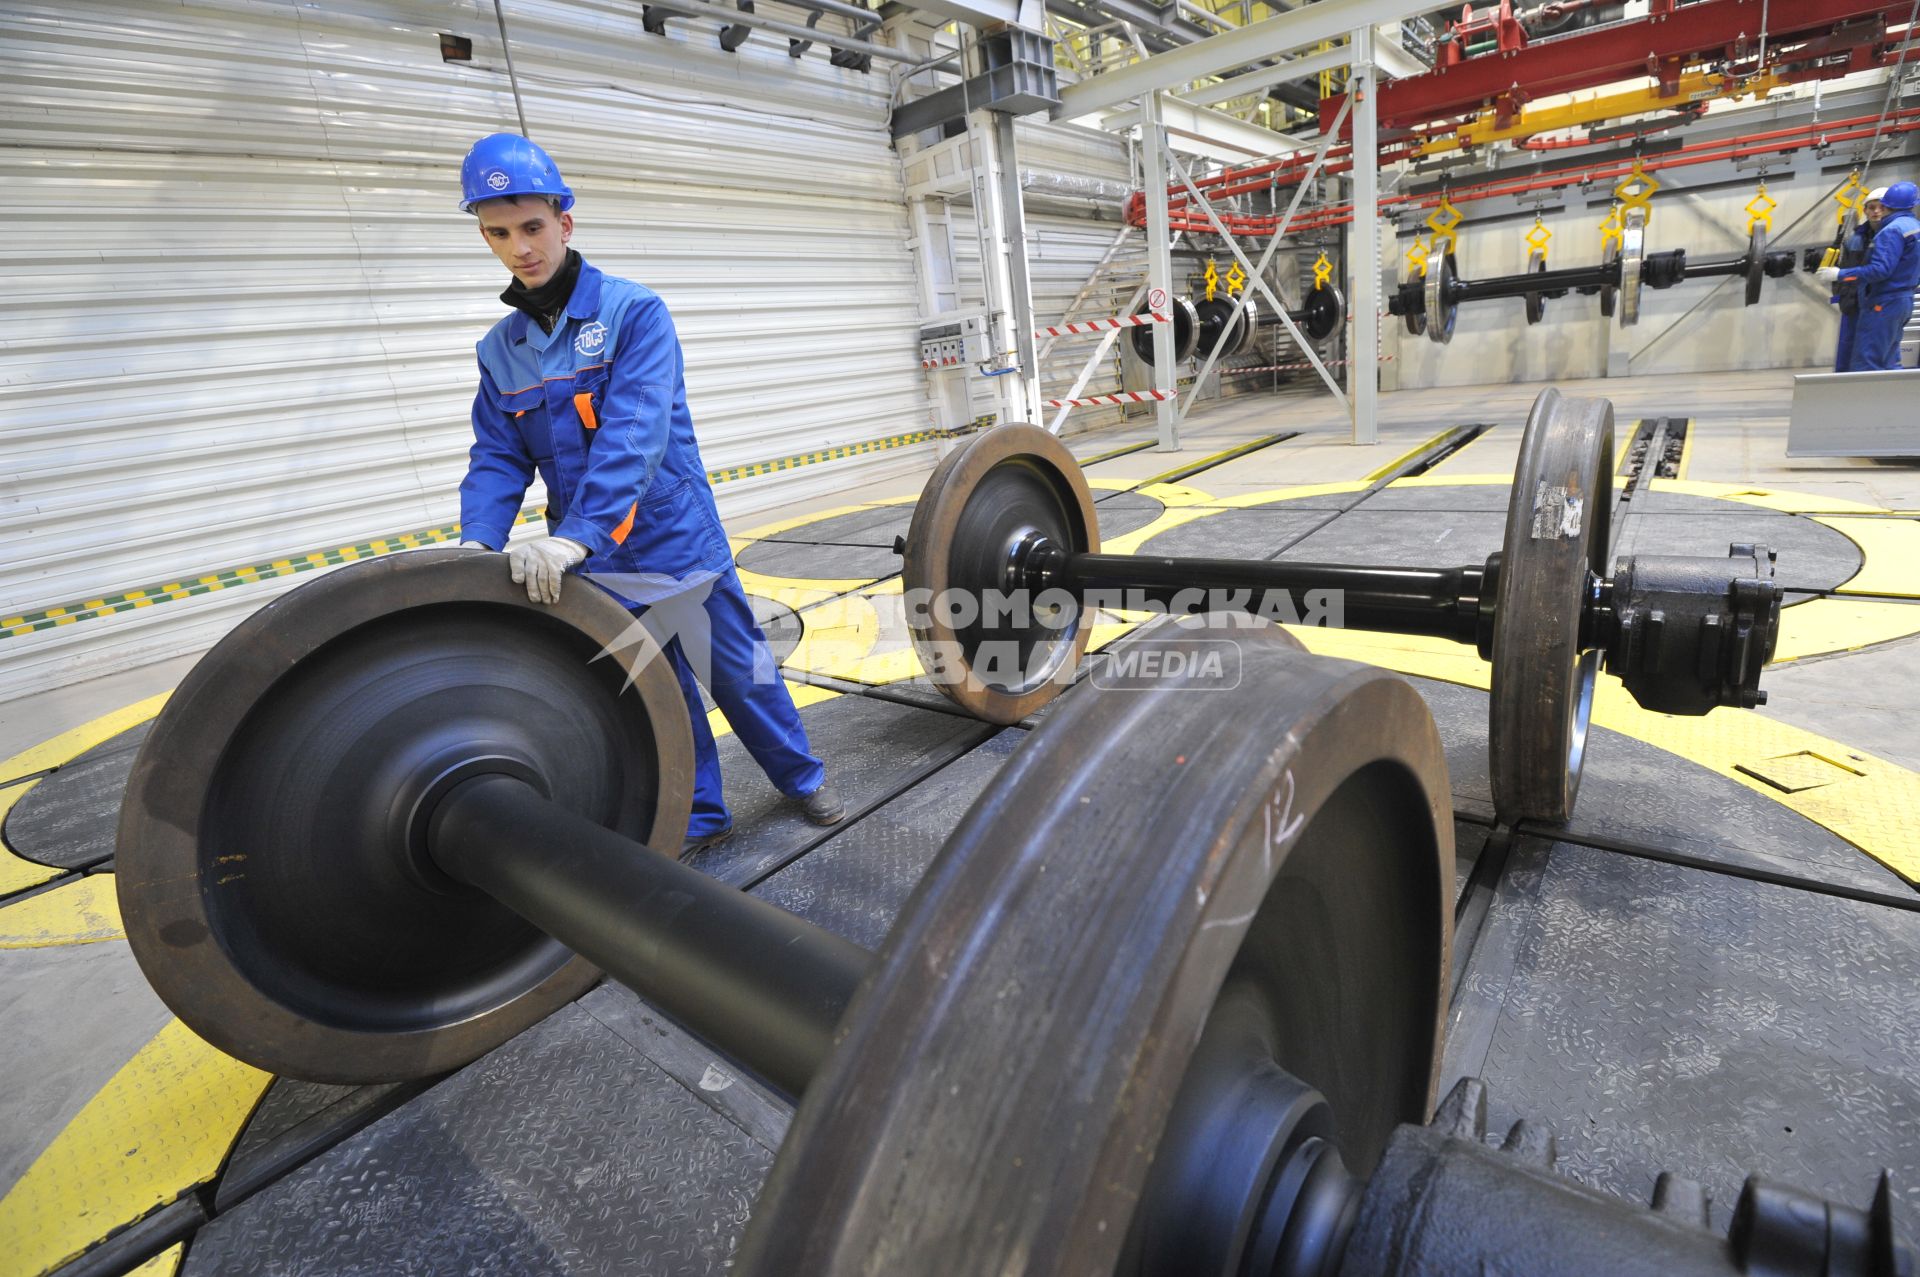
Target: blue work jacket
pixel 1893 265
pixel 599 407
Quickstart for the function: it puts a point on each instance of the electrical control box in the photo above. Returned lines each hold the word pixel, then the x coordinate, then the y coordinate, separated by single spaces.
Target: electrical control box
pixel 953 341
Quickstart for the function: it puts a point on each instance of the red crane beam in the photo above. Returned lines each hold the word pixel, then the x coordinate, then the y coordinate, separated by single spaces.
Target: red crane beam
pixel 1660 43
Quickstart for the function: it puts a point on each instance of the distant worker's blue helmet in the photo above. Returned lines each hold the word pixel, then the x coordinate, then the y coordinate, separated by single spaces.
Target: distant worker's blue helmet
pixel 1900 196
pixel 508 164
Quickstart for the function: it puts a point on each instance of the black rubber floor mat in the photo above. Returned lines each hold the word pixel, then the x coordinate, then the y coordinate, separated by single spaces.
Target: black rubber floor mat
pixel 70 816
pixel 1405 538
pixel 1234 534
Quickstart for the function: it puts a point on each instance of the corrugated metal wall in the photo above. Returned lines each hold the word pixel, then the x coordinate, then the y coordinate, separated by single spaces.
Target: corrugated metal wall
pixel 243 303
pixel 1073 180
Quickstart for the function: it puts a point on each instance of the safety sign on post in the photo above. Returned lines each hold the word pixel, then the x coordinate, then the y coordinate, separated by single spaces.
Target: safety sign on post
pixel 1157 299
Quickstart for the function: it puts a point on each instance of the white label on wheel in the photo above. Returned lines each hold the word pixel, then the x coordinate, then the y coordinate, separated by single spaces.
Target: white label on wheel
pixel 1157 299
pixel 715 1079
pixel 1556 513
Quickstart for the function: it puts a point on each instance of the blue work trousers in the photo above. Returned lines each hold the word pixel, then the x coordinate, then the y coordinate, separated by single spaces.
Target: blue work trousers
pixel 1843 349
pixel 1876 342
pixel 729 654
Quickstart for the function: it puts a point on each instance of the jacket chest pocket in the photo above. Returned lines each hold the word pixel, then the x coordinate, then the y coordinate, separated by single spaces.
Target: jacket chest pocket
pixel 587 396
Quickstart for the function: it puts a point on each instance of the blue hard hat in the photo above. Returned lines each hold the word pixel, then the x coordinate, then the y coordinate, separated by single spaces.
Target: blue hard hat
pixel 1900 195
pixel 508 164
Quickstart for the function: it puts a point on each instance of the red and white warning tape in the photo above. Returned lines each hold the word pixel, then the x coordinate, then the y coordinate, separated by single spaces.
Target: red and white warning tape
pixel 1330 363
pixel 1124 397
pixel 1101 325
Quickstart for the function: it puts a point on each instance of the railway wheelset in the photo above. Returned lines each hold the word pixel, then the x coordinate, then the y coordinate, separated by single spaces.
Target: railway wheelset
pixel 1431 303
pixel 1009 519
pixel 1169 1000
pixel 1232 325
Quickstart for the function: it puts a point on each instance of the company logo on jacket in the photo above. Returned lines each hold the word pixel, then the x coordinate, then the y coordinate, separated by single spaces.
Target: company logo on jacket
pixel 591 339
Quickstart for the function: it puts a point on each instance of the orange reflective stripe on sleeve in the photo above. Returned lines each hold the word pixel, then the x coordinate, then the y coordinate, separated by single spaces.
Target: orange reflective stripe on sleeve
pixel 583 404
pixel 626 525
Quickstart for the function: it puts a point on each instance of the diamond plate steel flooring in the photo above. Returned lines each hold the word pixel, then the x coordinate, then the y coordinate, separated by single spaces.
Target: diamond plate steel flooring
pixel 567 1151
pixel 855 883
pixel 872 748
pixel 1663 1018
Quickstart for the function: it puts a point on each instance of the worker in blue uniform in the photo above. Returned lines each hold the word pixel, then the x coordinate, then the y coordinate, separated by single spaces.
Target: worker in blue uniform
pixel 1846 294
pixel 1886 282
pixel 583 383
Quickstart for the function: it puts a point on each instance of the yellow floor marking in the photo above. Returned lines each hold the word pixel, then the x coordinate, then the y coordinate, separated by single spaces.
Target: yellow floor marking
pixel 82 912
pixel 836 636
pixel 1770 498
pixel 17 873
pixel 1401 460
pixel 804 694
pixel 1822 626
pixel 160 1126
pixel 165 1264
pixel 1177 495
pixel 1889 552
pixel 1873 804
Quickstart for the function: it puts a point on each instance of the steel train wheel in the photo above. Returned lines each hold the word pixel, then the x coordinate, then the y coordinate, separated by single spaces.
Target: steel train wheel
pixel 1558 523
pixel 1536 300
pixel 1267 870
pixel 1633 234
pixel 1186 332
pixel 981 503
pixel 1440 311
pixel 289 773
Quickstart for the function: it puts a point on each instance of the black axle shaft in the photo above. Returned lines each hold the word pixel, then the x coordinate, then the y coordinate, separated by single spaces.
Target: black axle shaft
pixel 1450 603
pixel 1604 275
pixel 763 986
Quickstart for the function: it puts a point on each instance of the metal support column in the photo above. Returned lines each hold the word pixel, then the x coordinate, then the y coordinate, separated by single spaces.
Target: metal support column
pixel 1363 245
pixel 1009 333
pixel 1153 180
pixel 1013 234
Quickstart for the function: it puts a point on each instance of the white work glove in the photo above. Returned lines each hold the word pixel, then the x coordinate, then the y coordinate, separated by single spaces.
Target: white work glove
pixel 475 545
pixel 540 563
pixel 1827 274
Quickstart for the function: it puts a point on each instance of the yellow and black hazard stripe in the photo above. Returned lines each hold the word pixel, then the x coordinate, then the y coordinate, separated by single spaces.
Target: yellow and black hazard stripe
pixel 188 587
pixel 825 454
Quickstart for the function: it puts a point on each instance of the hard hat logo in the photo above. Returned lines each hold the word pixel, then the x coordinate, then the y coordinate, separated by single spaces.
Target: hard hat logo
pixel 497 180
pixel 591 339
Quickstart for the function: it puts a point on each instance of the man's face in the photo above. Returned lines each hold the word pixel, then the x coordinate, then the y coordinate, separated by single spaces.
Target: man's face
pixel 528 237
pixel 1875 211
